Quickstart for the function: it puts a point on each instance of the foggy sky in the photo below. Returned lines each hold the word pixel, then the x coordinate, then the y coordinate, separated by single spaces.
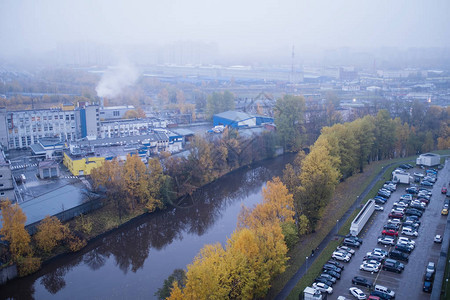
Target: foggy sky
pixel 235 26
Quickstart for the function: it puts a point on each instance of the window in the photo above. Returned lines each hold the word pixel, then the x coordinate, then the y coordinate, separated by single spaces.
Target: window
pixel 72 117
pixel 1 184
pixel 56 117
pixel 116 113
pixel 67 117
pixel 2 193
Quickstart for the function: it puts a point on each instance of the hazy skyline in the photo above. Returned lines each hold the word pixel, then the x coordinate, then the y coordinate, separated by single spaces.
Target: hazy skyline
pixel 251 27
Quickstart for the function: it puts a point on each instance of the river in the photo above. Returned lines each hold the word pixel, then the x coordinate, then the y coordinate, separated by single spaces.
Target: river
pixel 133 261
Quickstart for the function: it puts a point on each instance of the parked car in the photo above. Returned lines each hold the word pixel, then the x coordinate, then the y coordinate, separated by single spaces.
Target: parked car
pixel 409 231
pixel 389 232
pixel 403 243
pixel 335 274
pixel 391 226
pixel 431 267
pixel 394 221
pixel 351 243
pixel 357 293
pixel 378 207
pixel 358 280
pixel 438 239
pixel 426 183
pixel 332 268
pixel 335 263
pixel 369 267
pixel 323 280
pixel 444 190
pixel 328 277
pixel 346 249
pixel 444 211
pixel 322 287
pixel 413 212
pixel 407 240
pixel 412 190
pixel 377 258
pixel 381 295
pixel 338 255
pixel 395 254
pixel 412 224
pixel 427 286
pixel 403 248
pixel 386 240
pixel 393 266
pixel 396 215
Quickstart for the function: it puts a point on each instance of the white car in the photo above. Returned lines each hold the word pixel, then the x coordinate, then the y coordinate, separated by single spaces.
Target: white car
pixel 386 240
pixel 421 175
pixel 431 267
pixel 378 207
pixel 410 232
pixel 408 245
pixel 378 252
pixel 395 221
pixel 322 287
pixel 408 240
pixel 438 238
pixel 369 267
pixel 373 262
pixel 338 255
pixel 346 249
pixel 357 293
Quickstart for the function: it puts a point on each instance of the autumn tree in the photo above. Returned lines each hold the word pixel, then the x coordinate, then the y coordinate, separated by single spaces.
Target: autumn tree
pixel 156 185
pixel 50 232
pixel 289 118
pixel 108 178
pixel 13 229
pixel 318 178
pixel 134 181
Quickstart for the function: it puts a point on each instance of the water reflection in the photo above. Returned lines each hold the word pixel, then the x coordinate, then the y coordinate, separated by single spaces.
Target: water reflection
pixel 129 247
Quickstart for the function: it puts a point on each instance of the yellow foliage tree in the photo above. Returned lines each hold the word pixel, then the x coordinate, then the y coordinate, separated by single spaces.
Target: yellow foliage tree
pixel 277 206
pixel 13 229
pixel 49 233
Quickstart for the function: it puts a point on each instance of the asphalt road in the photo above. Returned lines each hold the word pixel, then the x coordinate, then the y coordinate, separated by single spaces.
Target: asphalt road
pixel 408 284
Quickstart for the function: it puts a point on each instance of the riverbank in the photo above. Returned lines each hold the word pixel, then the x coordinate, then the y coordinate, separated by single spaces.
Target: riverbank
pixel 99 223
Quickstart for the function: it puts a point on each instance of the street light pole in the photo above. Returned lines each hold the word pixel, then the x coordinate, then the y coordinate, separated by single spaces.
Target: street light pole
pixel 306 265
pixel 337 226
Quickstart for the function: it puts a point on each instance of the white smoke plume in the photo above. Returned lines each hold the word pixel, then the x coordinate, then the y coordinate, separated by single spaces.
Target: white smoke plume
pixel 115 79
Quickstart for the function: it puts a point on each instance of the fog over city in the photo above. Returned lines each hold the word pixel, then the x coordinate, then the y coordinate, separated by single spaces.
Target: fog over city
pixel 219 31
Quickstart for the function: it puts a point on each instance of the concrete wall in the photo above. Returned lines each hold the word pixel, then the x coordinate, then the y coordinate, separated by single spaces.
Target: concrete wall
pixel 8 273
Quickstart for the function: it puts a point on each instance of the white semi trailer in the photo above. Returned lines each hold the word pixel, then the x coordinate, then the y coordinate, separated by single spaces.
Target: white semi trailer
pixel 428 160
pixel 362 218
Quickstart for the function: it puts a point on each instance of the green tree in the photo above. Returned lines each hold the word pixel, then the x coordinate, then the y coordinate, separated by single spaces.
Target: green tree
pixel 289 118
pixel 363 131
pixel 178 276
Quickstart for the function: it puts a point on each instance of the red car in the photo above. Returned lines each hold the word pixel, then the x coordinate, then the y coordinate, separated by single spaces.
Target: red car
pixel 390 232
pixel 444 190
pixel 396 215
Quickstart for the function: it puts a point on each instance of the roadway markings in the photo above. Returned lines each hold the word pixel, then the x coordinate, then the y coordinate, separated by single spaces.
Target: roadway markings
pixel 16 167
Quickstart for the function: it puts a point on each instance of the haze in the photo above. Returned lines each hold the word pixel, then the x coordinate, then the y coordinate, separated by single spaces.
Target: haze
pixel 231 29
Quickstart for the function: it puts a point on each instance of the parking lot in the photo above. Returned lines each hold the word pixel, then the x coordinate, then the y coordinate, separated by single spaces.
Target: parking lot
pixel 409 283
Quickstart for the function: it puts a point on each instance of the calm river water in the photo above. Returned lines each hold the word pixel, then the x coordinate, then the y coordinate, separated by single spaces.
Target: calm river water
pixel 133 261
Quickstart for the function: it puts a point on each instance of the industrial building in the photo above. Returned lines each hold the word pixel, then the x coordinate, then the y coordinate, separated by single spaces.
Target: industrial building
pixel 237 119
